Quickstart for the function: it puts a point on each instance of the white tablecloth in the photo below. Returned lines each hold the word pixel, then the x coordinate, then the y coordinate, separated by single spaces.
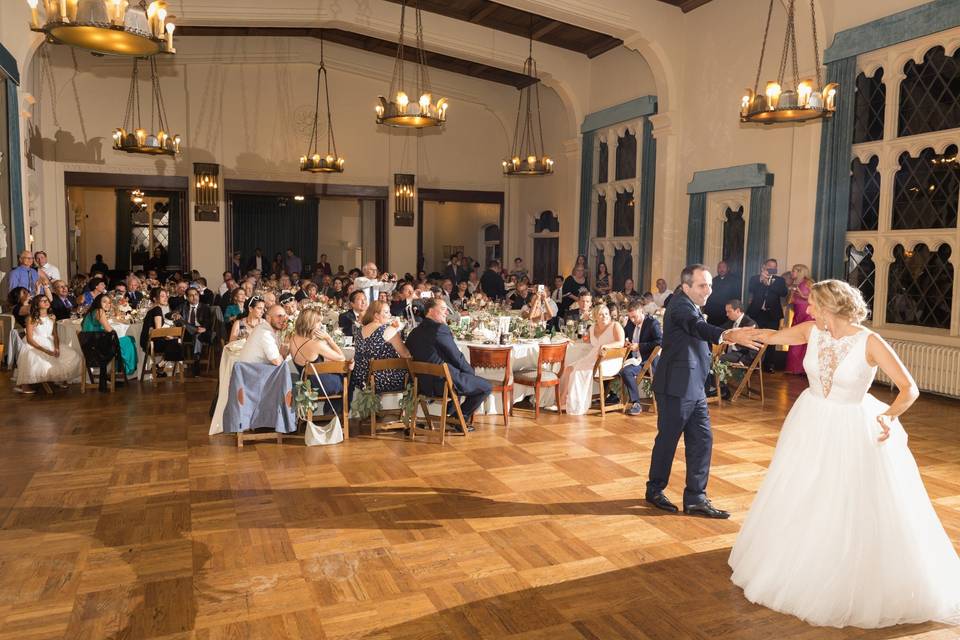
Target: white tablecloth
pixel 68 330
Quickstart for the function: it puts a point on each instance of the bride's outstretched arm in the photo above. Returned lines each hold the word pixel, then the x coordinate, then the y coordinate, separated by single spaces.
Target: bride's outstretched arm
pixel 880 354
pixel 797 334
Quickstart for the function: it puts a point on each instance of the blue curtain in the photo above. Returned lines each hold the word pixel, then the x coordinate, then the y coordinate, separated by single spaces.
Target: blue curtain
pixel 833 181
pixel 13 165
pixel 275 224
pixel 758 230
pixel 586 189
pixel 696 227
pixel 648 181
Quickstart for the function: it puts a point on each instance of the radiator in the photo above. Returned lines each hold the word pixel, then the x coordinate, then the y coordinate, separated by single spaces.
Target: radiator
pixel 936 368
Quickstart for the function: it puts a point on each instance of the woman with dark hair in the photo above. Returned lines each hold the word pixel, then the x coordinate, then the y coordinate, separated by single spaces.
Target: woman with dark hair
pixel 244 325
pixel 276 267
pixel 156 318
pixel 236 306
pixel 40 359
pixel 602 284
pixel 95 287
pixel 19 301
pixel 97 318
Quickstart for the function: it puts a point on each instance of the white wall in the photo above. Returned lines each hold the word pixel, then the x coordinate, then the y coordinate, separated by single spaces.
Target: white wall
pixel 455 224
pixel 339 231
pixel 96 209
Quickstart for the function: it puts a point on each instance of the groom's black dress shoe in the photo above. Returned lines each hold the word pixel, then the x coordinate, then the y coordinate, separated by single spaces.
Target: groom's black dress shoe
pixel 706 510
pixel 661 501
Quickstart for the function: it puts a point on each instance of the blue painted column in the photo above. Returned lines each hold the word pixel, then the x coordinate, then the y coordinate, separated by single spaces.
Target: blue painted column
pixel 586 189
pixel 13 167
pixel 696 227
pixel 648 181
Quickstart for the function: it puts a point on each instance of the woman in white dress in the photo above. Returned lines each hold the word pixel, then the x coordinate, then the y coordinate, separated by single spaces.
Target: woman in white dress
pixel 576 381
pixel 41 359
pixel 842 532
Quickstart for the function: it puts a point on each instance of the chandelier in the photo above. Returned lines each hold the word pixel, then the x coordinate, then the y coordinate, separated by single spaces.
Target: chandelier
pixel 399 111
pixel 527 157
pixel 105 26
pixel 805 100
pixel 313 162
pixel 132 137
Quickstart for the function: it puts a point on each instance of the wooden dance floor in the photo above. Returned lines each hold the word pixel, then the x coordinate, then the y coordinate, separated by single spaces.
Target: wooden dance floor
pixel 121 518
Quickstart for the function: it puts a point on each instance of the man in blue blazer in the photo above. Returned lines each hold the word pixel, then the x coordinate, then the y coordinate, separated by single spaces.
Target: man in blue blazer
pixel 678 384
pixel 643 334
pixel 432 341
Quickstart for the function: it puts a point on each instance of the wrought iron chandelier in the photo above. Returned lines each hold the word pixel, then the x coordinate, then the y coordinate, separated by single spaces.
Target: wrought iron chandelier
pixel 806 100
pixel 115 27
pixel 399 111
pixel 132 137
pixel 527 157
pixel 331 162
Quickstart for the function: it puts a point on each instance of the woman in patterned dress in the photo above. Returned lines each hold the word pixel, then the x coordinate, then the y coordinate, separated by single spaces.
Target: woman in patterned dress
pixel 378 339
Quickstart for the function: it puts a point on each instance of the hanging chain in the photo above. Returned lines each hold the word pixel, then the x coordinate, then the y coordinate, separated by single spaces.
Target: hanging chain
pixel 816 47
pixel 331 140
pixel 786 45
pixel 763 47
pixel 793 42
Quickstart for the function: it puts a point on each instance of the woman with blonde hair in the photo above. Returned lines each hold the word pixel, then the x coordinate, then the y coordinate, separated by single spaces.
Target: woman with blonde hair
pixel 576 381
pixel 799 298
pixel 311 343
pixel 842 531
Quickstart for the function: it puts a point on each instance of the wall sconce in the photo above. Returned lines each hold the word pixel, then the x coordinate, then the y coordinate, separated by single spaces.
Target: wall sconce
pixel 404 199
pixel 206 179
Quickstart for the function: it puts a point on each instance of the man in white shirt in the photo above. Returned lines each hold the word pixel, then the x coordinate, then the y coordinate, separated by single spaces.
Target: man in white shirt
pixel 372 284
pixel 662 293
pixel 736 319
pixel 40 259
pixel 263 345
pixel 227 279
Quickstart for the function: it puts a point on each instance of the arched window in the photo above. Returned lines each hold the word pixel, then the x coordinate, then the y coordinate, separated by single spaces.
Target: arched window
pixel 864 195
pixel 627 156
pixel 491 243
pixel 926 190
pixel 603 162
pixel 547 222
pixel 734 239
pixel 861 272
pixel 930 93
pixel 869 105
pixel 623 214
pixel 921 286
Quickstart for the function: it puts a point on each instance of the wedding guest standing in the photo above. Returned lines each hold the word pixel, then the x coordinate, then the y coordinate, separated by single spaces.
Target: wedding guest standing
pixel 726 287
pixel 41 359
pixel 572 287
pixel 602 284
pixel 40 260
pixel 491 283
pixel 24 275
pixel 766 291
pixel 99 266
pixel 799 298
pixel 292 262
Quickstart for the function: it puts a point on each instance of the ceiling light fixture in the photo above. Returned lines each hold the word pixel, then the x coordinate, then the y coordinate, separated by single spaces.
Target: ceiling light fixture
pixel 527 157
pixel 330 162
pixel 114 27
pixel 132 137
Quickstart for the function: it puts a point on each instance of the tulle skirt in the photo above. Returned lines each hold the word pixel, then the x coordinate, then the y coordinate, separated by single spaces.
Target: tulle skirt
pixel 35 366
pixel 842 532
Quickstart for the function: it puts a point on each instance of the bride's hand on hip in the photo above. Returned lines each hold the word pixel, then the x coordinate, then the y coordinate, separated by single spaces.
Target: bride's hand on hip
pixel 884 421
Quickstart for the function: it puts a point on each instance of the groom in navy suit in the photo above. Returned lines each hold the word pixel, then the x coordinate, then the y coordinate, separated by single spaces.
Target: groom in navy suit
pixel 678 384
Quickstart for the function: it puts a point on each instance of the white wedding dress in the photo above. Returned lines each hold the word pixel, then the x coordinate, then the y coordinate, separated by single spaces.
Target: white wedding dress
pixel 35 366
pixel 842 532
pixel 577 386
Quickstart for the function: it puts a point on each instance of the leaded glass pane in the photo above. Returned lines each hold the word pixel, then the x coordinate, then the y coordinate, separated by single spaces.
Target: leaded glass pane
pixel 862 273
pixel 870 98
pixel 603 163
pixel 930 94
pixel 623 214
pixel 622 267
pixel 864 195
pixel 921 287
pixel 926 190
pixel 601 216
pixel 547 222
pixel 627 156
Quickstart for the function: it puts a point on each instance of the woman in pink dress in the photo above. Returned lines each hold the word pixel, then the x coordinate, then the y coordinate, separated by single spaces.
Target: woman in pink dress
pixel 799 294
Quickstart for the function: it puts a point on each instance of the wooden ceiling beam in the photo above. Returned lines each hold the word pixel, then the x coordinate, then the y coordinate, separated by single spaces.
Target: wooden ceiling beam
pixel 483 12
pixel 546 28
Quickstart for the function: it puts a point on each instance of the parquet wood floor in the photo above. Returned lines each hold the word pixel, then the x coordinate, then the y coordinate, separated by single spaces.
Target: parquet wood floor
pixel 122 519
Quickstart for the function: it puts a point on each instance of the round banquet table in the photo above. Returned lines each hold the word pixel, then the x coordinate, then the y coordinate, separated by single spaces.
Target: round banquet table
pixel 67 330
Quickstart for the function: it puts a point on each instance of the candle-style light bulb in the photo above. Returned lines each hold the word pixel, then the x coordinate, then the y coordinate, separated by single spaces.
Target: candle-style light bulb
pixel 425 100
pixel 170 29
pixel 402 99
pixel 773 93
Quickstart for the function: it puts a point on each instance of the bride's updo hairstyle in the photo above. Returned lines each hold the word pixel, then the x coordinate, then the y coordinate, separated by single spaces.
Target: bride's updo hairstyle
pixel 840 299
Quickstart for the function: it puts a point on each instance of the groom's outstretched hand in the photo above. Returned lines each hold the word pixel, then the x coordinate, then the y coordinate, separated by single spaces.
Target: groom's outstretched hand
pixel 745 337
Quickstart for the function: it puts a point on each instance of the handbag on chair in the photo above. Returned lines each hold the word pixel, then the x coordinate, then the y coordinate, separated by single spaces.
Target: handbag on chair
pixel 324 434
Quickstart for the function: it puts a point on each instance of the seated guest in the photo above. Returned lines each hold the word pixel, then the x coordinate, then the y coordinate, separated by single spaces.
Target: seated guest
pixel 352 316
pixel 40 359
pixel 309 343
pixel 246 323
pixel 227 279
pixel 519 271
pixel 575 392
pixel 289 303
pixel 432 341
pixel 583 310
pixel 491 283
pixel 95 287
pixel 269 299
pixel 263 344
pixel 157 318
pixel 62 304
pixel 462 294
pixel 236 306
pixel 19 301
pixel 540 306
pixel 206 295
pixel 408 307
pixel 643 335
pixel 179 297
pixel 649 304
pixel 602 283
pixel 378 339
pixel 629 292
pixel 308 293
pixel 97 319
pixel 336 291
pixel 518 299
pixel 614 311
pixel 736 318
pixel 134 294
pixel 660 297
pixel 197 321
pixel 473 282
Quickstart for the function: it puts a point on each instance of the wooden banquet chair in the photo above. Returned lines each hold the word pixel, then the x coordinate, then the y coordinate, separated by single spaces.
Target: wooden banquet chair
pixel 99 348
pixel 544 377
pixel 422 401
pixel 336 367
pixel 718 350
pixel 388 364
pixel 646 373
pixel 748 371
pixel 606 355
pixel 497 358
pixel 151 355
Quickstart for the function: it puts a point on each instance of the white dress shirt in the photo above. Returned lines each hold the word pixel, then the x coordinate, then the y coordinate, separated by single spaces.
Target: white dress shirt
pixel 660 298
pixel 261 346
pixel 52 272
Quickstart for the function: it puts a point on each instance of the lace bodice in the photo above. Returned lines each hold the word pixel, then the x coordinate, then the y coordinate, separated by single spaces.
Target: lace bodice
pixel 837 368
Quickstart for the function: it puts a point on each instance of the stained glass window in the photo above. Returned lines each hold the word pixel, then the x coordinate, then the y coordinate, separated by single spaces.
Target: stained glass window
pixel 868 110
pixel 926 190
pixel 920 286
pixel 864 195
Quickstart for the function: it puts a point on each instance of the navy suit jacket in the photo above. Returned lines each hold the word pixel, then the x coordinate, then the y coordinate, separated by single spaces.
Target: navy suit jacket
pixel 685 359
pixel 651 336
pixel 433 342
pixel 346 321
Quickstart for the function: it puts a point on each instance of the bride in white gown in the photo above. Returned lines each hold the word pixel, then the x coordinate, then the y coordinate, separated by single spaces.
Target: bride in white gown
pixel 842 532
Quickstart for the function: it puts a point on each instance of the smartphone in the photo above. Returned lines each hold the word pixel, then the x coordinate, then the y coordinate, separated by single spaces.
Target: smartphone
pixel 426 294
pixel 539 288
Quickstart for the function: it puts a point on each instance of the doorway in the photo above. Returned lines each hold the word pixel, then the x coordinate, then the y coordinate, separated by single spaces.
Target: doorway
pixel 452 221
